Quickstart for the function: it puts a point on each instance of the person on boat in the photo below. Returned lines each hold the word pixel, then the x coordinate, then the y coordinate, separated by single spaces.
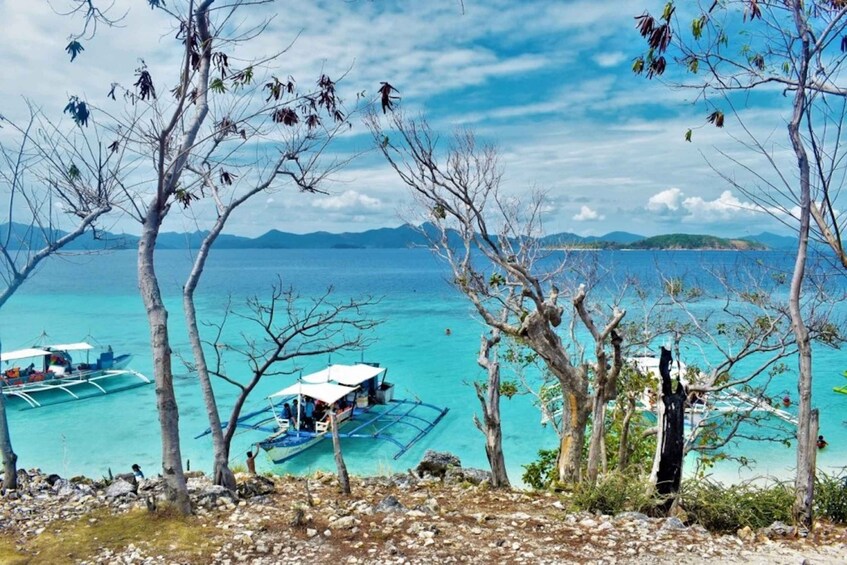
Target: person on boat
pixel 309 413
pixel 136 471
pixel 822 442
pixel 251 460
pixel 286 412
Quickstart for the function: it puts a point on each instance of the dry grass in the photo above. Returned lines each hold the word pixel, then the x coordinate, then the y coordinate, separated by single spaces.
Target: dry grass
pixel 182 539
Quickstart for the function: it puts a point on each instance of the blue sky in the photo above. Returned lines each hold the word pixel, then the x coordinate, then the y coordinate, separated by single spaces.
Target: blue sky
pixel 548 82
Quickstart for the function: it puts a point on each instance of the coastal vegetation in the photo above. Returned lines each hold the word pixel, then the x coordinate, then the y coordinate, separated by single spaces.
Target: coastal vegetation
pixel 728 52
pixel 548 327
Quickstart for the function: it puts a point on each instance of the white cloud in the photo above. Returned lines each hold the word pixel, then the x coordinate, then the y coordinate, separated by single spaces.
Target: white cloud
pixel 725 207
pixel 696 209
pixel 348 201
pixel 665 201
pixel 586 214
pixel 611 59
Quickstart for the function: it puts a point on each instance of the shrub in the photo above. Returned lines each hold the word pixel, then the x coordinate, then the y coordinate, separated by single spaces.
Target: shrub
pixel 540 474
pixel 720 508
pixel 831 497
pixel 614 494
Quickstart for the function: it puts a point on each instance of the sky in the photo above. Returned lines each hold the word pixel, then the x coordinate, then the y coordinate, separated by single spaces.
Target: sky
pixel 546 81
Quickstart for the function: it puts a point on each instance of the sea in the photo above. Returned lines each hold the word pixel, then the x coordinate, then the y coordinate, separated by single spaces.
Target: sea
pixel 95 297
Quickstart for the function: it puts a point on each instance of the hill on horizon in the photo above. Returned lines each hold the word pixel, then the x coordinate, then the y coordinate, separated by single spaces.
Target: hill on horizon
pixel 389 238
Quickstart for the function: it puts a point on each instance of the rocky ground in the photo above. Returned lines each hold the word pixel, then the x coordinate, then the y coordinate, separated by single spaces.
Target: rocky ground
pixel 398 519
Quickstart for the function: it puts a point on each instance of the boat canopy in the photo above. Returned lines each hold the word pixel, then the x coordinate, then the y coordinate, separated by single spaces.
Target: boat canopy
pixel 71 346
pixel 325 392
pixel 349 375
pixel 23 354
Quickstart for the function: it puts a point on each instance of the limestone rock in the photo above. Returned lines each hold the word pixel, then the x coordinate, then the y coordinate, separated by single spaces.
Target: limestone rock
pixel 255 485
pixel 120 488
pixel 473 476
pixel 389 504
pixel 777 529
pixel 436 463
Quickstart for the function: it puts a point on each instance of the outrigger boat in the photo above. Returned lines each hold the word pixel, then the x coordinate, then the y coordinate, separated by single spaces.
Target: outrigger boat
pixel 363 404
pixel 53 369
pixel 703 408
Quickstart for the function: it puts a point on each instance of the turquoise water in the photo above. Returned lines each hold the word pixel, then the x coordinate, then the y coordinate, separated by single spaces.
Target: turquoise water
pixel 96 295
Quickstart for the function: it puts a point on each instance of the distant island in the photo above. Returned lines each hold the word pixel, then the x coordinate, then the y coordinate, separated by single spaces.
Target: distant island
pixel 404 236
pixel 677 241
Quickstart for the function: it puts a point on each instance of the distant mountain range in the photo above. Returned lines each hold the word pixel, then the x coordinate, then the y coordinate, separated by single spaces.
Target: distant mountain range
pixel 400 237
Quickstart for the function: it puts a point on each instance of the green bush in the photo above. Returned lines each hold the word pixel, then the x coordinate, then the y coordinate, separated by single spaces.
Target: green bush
pixel 614 494
pixel 831 497
pixel 720 508
pixel 540 474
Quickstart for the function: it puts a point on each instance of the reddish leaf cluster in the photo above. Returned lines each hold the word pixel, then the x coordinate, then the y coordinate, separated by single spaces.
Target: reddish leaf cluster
pixel 144 87
pixel 658 34
pixel 752 10
pixel 387 99
pixel 285 116
pixel 276 88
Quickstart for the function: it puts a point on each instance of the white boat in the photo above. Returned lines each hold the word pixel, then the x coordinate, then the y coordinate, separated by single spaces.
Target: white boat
pixel 707 407
pixel 364 407
pixel 52 369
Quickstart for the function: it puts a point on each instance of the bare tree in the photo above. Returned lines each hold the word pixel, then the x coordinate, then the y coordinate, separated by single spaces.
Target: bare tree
pixel 488 394
pixel 343 477
pixel 490 244
pixel 290 327
pixel 53 179
pixel 742 45
pixel 297 164
pixel 224 135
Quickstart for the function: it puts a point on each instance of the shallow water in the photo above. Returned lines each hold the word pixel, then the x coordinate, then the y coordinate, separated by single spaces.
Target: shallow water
pixel 96 295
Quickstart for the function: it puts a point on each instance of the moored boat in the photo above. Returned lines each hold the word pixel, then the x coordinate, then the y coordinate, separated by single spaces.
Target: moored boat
pixel 298 416
pixel 52 368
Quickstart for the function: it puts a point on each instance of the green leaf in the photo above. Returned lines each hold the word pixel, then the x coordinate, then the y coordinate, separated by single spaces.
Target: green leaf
pixel 668 11
pixel 217 85
pixel 74 48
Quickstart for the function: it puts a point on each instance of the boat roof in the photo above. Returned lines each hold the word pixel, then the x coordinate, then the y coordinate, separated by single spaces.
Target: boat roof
pixel 71 346
pixel 23 354
pixel 325 392
pixel 349 375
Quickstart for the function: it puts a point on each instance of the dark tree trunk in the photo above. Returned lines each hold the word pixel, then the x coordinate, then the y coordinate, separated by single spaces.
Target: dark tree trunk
pixel 667 467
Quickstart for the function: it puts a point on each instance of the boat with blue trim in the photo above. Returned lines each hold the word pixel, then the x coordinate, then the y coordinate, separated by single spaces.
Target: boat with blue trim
pixel 298 416
pixel 52 369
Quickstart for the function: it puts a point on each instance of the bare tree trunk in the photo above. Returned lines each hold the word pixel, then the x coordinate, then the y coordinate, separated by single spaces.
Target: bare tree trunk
pixel 489 400
pixel 804 482
pixel 343 477
pixel 221 473
pixel 575 410
pixel 666 475
pixel 157 317
pixel 10 458
pixel 623 451
pixel 595 442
